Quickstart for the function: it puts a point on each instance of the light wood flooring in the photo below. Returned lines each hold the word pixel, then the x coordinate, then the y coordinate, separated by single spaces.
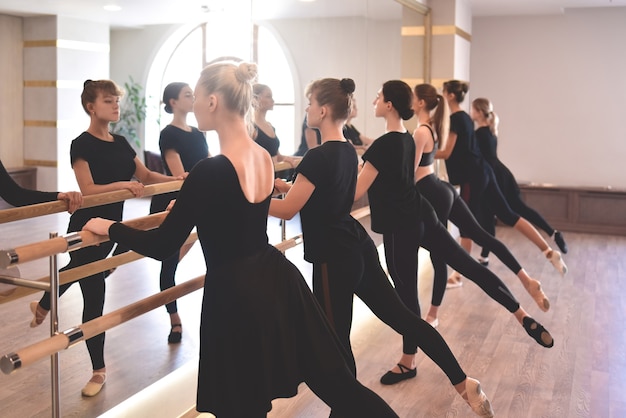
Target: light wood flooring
pixel 581 376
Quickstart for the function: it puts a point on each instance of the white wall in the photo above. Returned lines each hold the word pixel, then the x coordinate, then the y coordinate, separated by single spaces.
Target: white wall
pixel 558 84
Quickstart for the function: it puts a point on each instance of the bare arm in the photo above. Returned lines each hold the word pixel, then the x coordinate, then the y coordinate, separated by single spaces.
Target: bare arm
pixel 150 177
pixel 174 163
pixel 88 187
pixel 293 161
pixel 296 198
pixel 445 152
pixel 365 179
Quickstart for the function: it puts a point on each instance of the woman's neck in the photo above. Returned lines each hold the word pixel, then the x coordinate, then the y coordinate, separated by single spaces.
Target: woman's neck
pixel 259 116
pixel 231 132
pixel 454 107
pixel 100 130
pixel 394 125
pixel 332 132
pixel 423 117
pixel 180 121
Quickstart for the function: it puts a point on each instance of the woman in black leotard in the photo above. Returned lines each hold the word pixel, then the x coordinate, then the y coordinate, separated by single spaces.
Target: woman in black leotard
pixel 467 168
pixel 16 195
pixel 345 259
pixel 433 120
pixel 407 221
pixel 182 147
pixel 262 331
pixel 486 136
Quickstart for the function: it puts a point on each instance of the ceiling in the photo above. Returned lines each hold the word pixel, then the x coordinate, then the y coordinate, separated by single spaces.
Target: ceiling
pixel 136 13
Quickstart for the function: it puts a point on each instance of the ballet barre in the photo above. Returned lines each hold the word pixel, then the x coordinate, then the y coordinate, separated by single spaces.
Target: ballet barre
pixel 66 339
pixel 40 209
pixel 69 242
pixel 27 287
pixel 63 340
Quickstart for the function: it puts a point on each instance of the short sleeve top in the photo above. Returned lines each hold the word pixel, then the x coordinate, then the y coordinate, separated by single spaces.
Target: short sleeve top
pixel 191 146
pixel 109 162
pixel 465 157
pixel 392 196
pixel 328 229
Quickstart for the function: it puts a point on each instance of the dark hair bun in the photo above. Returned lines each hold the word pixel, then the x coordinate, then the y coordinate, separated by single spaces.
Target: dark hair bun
pixel 172 91
pixel 347 84
pixel 87 82
pixel 407 113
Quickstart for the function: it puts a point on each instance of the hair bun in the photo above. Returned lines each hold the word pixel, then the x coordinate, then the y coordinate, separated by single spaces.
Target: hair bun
pixel 246 72
pixel 347 84
pixel 87 82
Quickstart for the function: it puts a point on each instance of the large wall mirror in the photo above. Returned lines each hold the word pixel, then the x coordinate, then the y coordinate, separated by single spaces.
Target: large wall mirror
pixel 295 42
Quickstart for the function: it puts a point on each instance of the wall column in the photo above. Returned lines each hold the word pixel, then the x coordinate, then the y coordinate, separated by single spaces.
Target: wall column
pixel 451 41
pixel 59 55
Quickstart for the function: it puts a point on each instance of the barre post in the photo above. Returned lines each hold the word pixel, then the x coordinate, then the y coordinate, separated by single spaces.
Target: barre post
pixel 54 328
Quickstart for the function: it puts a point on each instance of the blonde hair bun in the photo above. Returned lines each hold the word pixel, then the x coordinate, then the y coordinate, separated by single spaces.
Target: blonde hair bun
pixel 246 72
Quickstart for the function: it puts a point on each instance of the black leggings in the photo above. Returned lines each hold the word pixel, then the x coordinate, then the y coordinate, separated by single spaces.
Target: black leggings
pixel 169 265
pixel 360 273
pixel 433 236
pixel 449 206
pixel 485 199
pixel 93 290
pixel 346 397
pixel 511 193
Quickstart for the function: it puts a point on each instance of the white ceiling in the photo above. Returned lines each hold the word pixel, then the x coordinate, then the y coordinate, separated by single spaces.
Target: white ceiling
pixel 146 12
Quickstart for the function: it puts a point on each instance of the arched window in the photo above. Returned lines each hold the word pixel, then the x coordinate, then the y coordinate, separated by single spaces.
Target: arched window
pixel 187 51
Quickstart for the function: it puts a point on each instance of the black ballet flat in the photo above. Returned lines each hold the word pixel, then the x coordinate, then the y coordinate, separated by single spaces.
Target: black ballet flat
pixel 560 241
pixel 391 378
pixel 538 332
pixel 175 336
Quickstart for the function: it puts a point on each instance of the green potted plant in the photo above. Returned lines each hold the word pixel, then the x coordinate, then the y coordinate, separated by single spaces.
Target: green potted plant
pixel 132 113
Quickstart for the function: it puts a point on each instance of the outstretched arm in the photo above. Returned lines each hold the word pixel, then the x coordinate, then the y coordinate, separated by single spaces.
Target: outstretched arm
pixel 450 143
pixel 297 196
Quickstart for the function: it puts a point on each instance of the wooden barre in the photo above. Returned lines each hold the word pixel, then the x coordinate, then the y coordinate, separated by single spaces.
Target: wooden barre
pixel 40 209
pixel 294 241
pixel 69 242
pixel 78 273
pixel 45 348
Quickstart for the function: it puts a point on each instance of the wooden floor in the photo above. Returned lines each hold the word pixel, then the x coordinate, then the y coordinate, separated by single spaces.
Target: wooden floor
pixel 583 375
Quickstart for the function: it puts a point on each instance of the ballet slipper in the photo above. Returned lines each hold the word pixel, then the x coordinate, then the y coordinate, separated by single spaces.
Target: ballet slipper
pixel 38 316
pixel 537 332
pixel 476 398
pixel 534 289
pixel 92 388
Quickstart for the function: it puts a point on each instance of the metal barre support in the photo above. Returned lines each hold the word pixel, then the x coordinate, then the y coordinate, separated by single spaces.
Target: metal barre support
pixel 74 334
pixel 10 362
pixel 74 241
pixel 33 284
pixel 8 258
